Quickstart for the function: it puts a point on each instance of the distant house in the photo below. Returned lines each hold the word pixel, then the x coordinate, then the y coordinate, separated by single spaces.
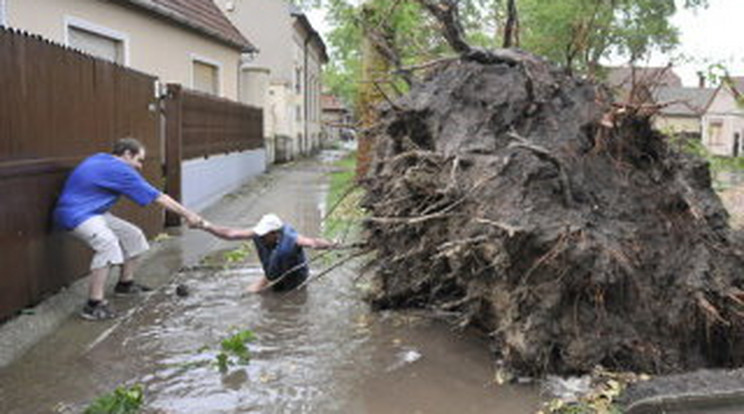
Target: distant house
pixel 683 110
pixel 640 83
pixel 723 121
pixel 183 41
pixel 337 119
pixel 290 55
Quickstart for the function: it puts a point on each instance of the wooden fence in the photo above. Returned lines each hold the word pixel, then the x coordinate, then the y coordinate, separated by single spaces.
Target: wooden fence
pixel 58 106
pixel 200 125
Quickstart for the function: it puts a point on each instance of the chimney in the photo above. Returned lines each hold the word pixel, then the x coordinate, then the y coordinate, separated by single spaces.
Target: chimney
pixel 701 80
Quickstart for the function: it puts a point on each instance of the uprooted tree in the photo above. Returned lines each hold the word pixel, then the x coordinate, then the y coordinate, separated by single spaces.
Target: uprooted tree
pixel 525 203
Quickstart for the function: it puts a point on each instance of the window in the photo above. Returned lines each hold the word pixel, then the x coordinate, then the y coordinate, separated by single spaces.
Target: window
pixel 205 76
pixel 298 80
pixel 96 40
pixel 311 98
pixel 298 113
pixel 3 17
pixel 715 136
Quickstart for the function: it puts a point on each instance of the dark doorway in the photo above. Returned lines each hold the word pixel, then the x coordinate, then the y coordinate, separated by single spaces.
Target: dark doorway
pixel 736 144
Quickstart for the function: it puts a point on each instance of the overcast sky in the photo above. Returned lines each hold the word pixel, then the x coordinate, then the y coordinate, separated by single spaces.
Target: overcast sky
pixel 712 35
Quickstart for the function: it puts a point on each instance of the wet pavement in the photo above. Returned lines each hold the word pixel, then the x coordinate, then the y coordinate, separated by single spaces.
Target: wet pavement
pixel 317 351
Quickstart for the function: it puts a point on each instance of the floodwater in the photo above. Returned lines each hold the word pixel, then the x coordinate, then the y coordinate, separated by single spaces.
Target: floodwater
pixel 317 351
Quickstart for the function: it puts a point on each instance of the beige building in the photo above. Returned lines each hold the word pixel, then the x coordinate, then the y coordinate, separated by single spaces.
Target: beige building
pixel 337 120
pixel 723 121
pixel 286 72
pixel 182 41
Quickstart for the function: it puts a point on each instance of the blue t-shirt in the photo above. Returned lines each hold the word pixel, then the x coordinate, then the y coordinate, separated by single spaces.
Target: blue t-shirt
pixel 95 185
pixel 286 257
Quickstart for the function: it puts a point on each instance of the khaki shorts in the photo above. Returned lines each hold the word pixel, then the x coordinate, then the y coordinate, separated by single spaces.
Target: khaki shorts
pixel 112 239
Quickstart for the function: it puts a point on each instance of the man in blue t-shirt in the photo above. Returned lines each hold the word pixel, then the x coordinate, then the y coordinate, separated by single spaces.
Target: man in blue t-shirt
pixel 280 249
pixel 89 192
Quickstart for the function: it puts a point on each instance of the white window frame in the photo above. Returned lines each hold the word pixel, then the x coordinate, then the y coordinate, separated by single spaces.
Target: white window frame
pixel 717 139
pixel 78 23
pixel 212 62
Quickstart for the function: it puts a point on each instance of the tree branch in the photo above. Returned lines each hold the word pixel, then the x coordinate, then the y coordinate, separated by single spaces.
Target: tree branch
pixel 446 12
pixel 511 29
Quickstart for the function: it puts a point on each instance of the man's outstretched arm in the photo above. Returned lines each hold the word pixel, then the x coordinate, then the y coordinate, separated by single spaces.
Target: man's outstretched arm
pixel 227 233
pixel 315 243
pixel 170 204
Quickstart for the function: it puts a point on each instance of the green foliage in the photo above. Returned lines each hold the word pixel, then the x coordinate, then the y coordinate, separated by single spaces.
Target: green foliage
pixel 234 350
pixel 237 255
pixel 578 33
pixel 343 200
pixel 717 164
pixel 574 33
pixel 236 344
pixel 222 362
pixel 122 401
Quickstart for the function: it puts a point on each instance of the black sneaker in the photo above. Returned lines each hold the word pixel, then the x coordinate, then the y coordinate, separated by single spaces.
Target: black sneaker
pixel 97 312
pixel 133 288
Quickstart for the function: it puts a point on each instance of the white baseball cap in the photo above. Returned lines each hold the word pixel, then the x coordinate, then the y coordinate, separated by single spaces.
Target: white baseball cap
pixel 267 224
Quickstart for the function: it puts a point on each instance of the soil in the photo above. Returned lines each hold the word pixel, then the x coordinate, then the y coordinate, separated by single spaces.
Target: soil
pixel 524 202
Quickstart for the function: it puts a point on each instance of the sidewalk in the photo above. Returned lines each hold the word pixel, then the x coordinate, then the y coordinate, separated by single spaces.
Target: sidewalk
pixel 182 247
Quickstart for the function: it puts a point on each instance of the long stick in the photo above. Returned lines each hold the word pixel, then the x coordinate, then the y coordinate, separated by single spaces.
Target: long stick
pixel 328 270
pixel 308 261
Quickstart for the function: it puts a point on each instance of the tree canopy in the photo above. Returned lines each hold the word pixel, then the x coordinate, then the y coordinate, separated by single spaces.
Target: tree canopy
pixel 576 34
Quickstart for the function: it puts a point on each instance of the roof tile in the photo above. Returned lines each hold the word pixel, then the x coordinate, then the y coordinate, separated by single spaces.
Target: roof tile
pixel 684 101
pixel 201 15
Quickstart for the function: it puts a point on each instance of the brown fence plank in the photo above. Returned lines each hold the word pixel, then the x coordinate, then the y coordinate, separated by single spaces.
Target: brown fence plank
pixel 173 123
pixel 212 125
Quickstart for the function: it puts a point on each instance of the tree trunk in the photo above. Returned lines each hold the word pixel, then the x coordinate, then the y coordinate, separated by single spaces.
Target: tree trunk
pixel 511 29
pixel 374 66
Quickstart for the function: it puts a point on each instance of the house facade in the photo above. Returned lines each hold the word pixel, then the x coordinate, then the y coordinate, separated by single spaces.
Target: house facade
pixel 286 70
pixel 723 121
pixel 337 120
pixel 189 42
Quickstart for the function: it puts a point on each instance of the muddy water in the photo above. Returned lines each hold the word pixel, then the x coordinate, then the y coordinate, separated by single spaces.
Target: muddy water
pixel 317 351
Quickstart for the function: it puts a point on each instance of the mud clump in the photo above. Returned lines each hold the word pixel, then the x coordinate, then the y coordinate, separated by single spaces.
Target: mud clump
pixel 182 290
pixel 523 202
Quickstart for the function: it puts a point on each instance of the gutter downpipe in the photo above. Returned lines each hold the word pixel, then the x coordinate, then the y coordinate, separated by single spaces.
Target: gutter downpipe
pixel 306 89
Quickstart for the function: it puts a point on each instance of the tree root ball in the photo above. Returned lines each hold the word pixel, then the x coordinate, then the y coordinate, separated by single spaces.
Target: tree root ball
pixel 520 201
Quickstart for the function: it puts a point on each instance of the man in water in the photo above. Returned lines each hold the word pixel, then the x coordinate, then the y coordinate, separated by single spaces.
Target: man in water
pixel 280 249
pixel 89 192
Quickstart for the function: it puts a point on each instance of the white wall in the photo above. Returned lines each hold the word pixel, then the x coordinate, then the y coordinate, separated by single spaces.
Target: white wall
pixel 204 181
pixel 724 110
